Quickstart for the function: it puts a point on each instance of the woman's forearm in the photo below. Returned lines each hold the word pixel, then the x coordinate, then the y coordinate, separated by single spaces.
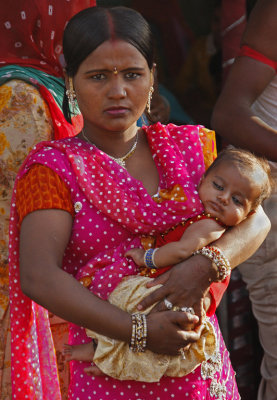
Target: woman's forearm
pixel 241 241
pixel 64 296
pixel 43 240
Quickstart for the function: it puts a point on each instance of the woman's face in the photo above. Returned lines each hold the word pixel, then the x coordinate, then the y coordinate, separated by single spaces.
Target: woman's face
pixel 112 86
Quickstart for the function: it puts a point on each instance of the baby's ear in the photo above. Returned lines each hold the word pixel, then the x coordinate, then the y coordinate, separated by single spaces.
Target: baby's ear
pixel 201 180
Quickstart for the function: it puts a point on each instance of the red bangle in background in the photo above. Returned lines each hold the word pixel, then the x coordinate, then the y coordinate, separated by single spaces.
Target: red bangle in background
pixel 256 55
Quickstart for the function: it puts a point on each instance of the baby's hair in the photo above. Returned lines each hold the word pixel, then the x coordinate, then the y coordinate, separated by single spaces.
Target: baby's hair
pixel 247 161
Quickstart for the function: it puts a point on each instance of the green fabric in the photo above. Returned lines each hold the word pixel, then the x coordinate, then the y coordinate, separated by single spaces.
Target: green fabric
pixel 31 75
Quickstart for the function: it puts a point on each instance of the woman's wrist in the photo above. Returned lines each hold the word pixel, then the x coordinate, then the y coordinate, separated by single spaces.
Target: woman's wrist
pixel 139 333
pixel 206 271
pixel 219 261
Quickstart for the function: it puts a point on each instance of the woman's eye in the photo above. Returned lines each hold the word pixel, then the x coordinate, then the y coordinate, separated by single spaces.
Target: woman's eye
pixel 132 75
pixel 217 186
pixel 98 77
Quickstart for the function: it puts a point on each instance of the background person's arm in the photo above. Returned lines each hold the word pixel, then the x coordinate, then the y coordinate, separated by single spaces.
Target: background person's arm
pixel 233 118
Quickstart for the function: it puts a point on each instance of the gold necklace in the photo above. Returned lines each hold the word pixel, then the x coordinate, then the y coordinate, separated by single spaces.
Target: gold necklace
pixel 118 160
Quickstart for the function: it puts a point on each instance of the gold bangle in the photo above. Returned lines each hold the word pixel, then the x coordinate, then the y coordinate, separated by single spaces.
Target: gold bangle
pixel 217 257
pixel 139 333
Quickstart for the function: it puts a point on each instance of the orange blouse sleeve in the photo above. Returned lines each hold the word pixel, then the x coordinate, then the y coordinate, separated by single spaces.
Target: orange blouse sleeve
pixel 42 188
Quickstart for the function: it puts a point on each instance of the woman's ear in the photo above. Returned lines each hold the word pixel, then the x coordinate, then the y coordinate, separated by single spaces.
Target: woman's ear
pixel 66 79
pixel 153 74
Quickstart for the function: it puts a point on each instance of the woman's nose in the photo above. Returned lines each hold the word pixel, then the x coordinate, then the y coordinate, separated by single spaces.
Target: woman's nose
pixel 117 89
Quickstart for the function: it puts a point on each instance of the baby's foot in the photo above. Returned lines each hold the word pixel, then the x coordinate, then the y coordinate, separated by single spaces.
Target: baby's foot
pixel 79 352
pixel 93 370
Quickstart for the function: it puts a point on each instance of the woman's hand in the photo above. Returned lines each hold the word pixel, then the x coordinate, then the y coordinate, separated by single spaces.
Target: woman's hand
pixel 166 334
pixel 185 285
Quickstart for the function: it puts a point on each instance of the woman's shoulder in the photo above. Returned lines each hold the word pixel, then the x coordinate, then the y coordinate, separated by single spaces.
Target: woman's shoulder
pixel 194 137
pixel 54 154
pixel 54 148
pixel 179 133
pixel 179 129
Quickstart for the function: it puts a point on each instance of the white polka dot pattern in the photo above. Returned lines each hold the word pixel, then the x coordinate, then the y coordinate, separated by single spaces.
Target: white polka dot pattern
pixel 33 32
pixel 100 226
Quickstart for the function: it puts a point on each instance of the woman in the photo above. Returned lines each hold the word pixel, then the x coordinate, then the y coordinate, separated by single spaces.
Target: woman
pixel 96 191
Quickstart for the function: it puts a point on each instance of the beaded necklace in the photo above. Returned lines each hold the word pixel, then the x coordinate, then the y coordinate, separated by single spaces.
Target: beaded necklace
pixel 119 160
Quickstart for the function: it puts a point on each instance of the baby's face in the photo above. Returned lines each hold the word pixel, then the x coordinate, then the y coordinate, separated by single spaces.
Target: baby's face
pixel 228 194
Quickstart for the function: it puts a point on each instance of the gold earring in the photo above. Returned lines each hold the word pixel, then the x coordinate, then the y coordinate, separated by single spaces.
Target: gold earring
pixel 148 104
pixel 71 96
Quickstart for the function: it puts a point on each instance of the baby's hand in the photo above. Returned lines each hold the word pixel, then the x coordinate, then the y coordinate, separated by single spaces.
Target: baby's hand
pixel 137 255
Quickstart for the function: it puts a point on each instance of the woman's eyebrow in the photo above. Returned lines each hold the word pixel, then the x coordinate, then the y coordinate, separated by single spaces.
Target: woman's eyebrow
pixel 102 70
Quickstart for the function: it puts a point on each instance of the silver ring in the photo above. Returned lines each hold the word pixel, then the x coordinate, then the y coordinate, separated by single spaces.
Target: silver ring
pixel 188 310
pixel 168 304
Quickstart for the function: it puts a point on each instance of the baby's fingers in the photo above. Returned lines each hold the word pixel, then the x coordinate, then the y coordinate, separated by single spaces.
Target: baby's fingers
pixel 129 253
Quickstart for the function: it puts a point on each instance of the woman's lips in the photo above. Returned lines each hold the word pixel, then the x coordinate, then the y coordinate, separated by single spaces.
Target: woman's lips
pixel 116 111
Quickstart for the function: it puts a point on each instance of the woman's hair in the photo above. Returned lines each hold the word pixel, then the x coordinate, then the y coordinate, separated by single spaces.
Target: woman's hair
pixel 93 26
pixel 248 163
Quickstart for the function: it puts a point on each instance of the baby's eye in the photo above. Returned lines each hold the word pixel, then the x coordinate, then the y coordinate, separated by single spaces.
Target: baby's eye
pixel 132 75
pixel 236 201
pixel 98 77
pixel 217 186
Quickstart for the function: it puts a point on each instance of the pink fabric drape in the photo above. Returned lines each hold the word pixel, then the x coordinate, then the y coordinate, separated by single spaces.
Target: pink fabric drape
pixel 34 370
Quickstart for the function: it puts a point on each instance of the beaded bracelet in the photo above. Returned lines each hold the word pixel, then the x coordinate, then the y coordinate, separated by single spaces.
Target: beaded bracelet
pixel 139 333
pixel 218 258
pixel 149 258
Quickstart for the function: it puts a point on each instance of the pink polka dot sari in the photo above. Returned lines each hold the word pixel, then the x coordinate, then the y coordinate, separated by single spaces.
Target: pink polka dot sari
pixel 112 208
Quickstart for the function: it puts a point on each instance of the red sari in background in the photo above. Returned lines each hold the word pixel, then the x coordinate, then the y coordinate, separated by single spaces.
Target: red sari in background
pixel 31 33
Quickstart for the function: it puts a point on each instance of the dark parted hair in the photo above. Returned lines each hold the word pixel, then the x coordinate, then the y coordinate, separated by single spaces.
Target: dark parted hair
pixel 248 163
pixel 93 26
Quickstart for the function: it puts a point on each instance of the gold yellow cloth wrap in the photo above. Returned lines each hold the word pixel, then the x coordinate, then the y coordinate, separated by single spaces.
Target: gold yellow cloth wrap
pixel 115 358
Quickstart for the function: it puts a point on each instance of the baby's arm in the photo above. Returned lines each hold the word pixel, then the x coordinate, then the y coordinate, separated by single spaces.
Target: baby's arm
pixel 196 236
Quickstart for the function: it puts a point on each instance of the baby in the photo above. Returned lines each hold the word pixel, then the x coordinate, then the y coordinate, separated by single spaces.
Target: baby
pixel 231 189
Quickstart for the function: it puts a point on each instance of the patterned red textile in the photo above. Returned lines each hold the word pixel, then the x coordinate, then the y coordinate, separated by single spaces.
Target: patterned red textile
pixel 39 25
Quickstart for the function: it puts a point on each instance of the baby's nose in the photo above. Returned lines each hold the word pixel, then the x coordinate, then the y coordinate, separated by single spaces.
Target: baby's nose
pixel 223 198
